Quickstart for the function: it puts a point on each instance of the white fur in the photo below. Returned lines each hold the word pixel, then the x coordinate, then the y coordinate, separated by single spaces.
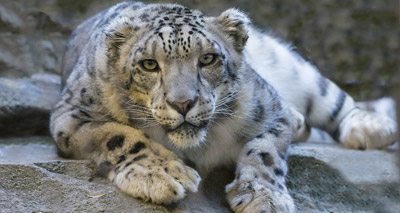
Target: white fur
pixel 160 187
pixel 384 106
pixel 248 193
pixel 301 130
pixel 367 130
pixel 221 134
pixel 276 63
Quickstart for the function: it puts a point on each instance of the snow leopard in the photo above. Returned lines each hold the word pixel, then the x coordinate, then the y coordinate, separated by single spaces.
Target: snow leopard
pixel 156 93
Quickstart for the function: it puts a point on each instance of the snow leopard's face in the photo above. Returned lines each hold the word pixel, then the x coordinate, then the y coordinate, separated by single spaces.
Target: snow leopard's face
pixel 183 71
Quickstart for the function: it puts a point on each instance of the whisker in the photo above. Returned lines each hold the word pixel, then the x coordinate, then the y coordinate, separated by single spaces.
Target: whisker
pixel 138 107
pixel 139 112
pixel 147 125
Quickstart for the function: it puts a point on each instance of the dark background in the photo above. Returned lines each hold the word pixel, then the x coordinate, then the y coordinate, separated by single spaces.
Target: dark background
pixel 354 43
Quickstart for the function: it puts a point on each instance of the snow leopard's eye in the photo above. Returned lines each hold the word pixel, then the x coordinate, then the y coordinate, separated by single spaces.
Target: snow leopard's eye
pixel 149 65
pixel 207 59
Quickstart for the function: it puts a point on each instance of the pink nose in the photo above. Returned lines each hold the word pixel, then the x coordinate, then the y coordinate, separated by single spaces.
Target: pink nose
pixel 182 107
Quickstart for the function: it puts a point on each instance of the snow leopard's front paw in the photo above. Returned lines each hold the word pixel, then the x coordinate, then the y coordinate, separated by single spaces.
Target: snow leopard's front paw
pixel 251 196
pixel 157 180
pixel 367 130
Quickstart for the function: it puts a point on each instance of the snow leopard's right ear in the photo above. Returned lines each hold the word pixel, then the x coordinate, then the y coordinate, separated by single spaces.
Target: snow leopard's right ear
pixel 235 25
pixel 117 34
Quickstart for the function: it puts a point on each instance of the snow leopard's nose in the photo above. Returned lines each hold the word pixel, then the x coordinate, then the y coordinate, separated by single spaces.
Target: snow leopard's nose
pixel 182 107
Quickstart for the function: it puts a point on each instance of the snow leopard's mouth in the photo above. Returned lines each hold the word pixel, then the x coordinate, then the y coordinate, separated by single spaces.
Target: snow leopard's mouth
pixel 187 135
pixel 187 126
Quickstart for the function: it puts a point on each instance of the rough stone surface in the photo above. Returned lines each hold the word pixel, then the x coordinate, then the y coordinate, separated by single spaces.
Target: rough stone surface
pixel 322 178
pixel 329 178
pixel 25 104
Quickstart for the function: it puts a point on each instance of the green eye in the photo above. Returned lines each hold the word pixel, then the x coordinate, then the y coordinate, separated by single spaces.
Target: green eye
pixel 149 65
pixel 207 59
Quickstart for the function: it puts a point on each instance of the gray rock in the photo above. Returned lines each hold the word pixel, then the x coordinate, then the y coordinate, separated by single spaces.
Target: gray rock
pixel 34 179
pixel 322 178
pixel 30 40
pixel 329 178
pixel 25 104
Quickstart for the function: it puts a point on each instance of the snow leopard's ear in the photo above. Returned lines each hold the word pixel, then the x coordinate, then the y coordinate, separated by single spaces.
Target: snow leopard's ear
pixel 117 35
pixel 235 24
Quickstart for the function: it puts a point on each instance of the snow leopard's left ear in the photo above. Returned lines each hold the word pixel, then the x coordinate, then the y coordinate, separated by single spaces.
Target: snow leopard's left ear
pixel 235 24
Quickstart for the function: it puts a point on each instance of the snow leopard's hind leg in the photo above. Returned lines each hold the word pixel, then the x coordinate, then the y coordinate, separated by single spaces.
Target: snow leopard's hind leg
pixel 331 109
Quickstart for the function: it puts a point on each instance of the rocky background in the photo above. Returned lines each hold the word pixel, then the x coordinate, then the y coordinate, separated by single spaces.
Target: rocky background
pixel 354 43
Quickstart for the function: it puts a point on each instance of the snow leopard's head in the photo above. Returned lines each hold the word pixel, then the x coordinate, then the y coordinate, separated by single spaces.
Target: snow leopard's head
pixel 177 68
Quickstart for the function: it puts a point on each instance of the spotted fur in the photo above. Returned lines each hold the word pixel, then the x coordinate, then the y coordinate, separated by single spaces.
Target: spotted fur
pixel 242 107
